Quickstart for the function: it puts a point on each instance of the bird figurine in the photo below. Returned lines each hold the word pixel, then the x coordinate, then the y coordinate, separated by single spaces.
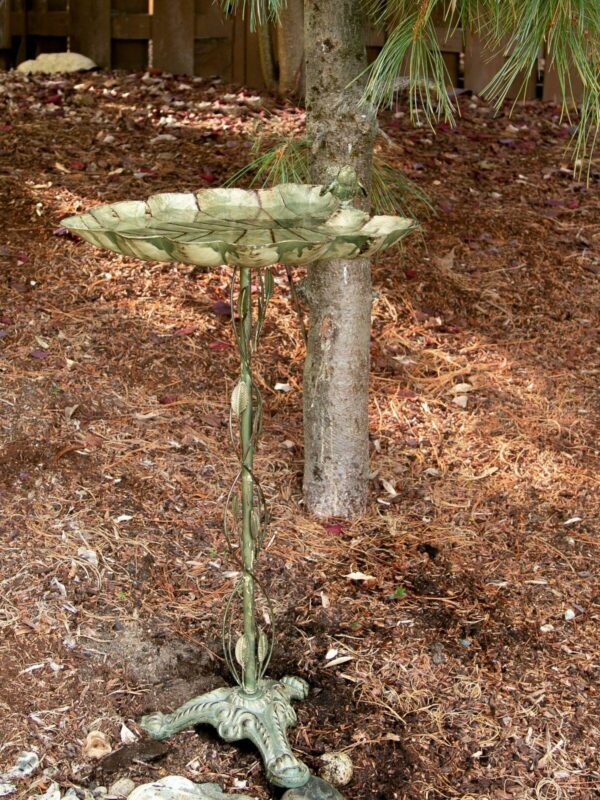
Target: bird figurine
pixel 345 186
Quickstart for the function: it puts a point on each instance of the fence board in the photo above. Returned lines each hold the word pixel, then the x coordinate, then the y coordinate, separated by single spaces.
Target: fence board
pixel 47 26
pixel 213 33
pixel 5 32
pixel 552 89
pixel 51 23
pixel 195 37
pixel 173 36
pixel 212 26
pixel 131 26
pixel 481 66
pixel 90 29
pixel 238 50
pixel 252 69
pixel 131 30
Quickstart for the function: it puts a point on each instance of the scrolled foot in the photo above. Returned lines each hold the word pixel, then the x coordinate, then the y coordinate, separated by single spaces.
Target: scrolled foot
pixel 262 717
pixel 157 725
pixel 287 771
pixel 298 688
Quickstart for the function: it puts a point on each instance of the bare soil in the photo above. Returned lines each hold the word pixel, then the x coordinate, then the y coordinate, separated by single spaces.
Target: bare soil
pixel 474 643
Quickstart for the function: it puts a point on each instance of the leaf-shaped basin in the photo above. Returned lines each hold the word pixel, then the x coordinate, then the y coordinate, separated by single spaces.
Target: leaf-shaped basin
pixel 288 224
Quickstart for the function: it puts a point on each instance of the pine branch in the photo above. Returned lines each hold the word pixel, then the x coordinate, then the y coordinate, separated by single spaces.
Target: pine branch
pixel 567 31
pixel 288 161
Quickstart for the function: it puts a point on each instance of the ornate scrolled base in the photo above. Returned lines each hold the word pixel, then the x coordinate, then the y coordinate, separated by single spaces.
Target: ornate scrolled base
pixel 262 717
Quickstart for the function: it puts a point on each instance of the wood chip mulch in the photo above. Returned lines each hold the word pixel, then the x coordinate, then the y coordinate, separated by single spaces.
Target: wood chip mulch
pixel 464 662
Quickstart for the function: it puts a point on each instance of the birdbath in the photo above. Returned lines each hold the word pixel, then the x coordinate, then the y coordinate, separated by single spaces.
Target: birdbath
pixel 251 230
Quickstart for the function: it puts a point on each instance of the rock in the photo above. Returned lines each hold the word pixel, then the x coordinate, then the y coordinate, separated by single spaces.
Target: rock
pixel 437 653
pixel 57 62
pixel 336 768
pixel 96 745
pixel 27 762
pixel 174 787
pixel 84 100
pixel 315 789
pixel 54 793
pixel 121 788
pixel 51 793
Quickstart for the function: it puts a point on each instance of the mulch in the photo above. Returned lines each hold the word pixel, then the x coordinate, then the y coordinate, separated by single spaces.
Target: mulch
pixel 451 635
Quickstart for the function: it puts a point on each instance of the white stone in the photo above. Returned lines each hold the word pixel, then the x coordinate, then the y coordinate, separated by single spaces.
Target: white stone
pixel 461 400
pixel 174 787
pixel 121 788
pixel 57 62
pixel 336 768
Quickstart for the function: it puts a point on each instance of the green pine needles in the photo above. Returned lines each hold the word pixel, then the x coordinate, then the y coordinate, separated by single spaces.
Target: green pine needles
pixel 288 161
pixel 565 32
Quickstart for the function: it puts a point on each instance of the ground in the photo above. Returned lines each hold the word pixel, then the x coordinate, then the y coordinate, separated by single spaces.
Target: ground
pixel 466 661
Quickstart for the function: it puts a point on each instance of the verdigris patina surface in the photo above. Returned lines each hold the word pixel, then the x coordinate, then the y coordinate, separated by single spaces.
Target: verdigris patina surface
pixel 291 224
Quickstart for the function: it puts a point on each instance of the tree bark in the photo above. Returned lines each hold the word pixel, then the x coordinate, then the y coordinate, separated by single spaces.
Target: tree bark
pixel 336 374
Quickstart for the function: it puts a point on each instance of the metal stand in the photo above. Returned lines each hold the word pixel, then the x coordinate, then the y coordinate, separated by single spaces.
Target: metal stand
pixel 257 708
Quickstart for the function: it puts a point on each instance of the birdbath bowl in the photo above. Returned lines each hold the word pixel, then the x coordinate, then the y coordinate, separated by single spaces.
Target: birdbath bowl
pixel 290 224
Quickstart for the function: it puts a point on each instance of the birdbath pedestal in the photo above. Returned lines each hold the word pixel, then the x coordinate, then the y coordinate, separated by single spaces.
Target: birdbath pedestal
pixel 290 224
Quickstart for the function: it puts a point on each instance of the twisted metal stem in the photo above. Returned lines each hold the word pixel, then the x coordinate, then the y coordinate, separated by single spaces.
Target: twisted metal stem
pixel 257 708
pixel 245 511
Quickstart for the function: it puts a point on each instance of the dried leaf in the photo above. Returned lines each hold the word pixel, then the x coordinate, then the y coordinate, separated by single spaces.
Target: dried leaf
pixel 337 528
pixel 185 331
pixel 221 309
pixel 219 345
pixel 340 660
pixel 461 388
pixel 96 745
pixel 359 576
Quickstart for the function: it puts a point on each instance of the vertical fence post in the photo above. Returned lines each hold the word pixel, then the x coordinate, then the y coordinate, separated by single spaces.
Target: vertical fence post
pixel 89 22
pixel 5 37
pixel 5 34
pixel 481 65
pixel 552 89
pixel 173 36
pixel 130 27
pixel 238 50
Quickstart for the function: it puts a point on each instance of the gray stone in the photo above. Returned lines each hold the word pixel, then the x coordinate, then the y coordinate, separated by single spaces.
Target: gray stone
pixel 121 788
pixel 336 768
pixel 174 787
pixel 315 789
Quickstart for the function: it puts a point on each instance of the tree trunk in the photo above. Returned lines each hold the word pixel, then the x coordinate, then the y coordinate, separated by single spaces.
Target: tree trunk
pixel 336 373
pixel 290 47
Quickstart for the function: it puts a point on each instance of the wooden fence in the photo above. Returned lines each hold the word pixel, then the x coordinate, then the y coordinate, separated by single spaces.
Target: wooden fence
pixel 194 37
pixel 189 37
